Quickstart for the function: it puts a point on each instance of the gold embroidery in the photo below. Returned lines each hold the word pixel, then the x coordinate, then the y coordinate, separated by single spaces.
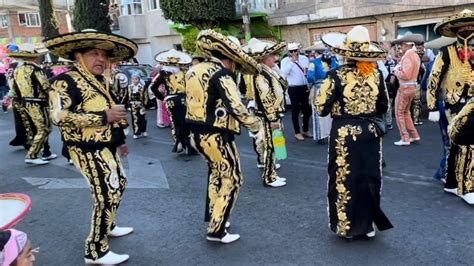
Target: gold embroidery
pixel 360 92
pixel 342 171
pixel 325 93
pixel 197 86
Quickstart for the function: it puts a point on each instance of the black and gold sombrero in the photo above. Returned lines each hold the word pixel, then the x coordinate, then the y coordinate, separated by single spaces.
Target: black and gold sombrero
pixel 27 51
pixel 211 43
pixel 449 26
pixel 173 58
pixel 118 47
pixel 260 49
pixel 355 45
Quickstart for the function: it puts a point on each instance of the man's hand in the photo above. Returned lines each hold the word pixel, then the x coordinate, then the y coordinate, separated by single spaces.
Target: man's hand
pixel 123 150
pixel 115 114
pixel 275 125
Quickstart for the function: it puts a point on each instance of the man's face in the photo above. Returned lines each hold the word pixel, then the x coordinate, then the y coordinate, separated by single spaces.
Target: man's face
pixel 405 47
pixel 270 60
pixel 293 53
pixel 95 60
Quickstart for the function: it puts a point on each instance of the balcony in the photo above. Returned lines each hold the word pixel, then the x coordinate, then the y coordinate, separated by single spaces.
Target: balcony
pixel 260 6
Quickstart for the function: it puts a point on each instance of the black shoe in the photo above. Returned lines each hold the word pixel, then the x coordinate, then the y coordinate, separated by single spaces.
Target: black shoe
pixel 389 127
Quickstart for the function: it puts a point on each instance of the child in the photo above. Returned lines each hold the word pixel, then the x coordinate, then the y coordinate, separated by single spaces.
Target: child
pixel 136 99
pixel 15 248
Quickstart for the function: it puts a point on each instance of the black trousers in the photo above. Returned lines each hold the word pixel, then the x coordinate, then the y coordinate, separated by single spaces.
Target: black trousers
pixel 299 96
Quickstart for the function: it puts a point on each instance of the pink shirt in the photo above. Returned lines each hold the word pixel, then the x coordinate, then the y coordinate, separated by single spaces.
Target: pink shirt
pixel 409 67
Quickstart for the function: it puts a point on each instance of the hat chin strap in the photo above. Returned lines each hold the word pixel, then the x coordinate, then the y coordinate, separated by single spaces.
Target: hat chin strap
pixel 466 45
pixel 106 73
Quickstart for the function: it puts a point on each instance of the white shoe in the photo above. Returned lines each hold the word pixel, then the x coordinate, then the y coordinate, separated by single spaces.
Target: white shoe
pixel 109 259
pixel 179 148
pixel 281 179
pixel 120 231
pixel 451 190
pixel 371 234
pixel 415 139
pixel 402 143
pixel 468 198
pixel 70 162
pixel 135 136
pixel 276 183
pixel 51 157
pixel 145 134
pixel 36 161
pixel 260 166
pixel 228 238
pixel 227 224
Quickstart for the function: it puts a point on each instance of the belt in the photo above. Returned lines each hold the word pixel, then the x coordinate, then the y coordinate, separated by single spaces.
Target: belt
pixel 408 84
pixel 32 99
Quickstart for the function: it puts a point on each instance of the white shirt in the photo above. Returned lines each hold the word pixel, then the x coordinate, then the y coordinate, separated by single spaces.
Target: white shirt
pixel 382 68
pixel 292 72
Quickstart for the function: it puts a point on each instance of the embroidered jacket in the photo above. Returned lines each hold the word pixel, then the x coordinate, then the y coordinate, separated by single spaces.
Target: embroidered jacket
pixel 136 93
pixel 452 75
pixel 78 104
pixel 267 91
pixel 174 84
pixel 30 83
pixel 345 93
pixel 213 99
pixel 461 128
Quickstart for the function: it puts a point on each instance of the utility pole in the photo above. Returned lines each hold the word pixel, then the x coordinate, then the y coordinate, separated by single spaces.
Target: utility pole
pixel 246 19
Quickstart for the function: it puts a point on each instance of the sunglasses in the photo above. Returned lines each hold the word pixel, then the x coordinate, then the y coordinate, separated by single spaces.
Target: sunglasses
pixel 292 51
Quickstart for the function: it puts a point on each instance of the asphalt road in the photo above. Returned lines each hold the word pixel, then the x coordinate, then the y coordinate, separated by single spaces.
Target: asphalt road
pixel 278 226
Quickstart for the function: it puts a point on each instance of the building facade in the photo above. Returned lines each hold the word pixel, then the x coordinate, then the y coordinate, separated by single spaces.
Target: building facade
pixel 143 22
pixel 304 21
pixel 20 20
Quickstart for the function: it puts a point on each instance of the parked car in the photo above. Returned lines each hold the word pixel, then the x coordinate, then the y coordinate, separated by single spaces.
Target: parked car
pixel 143 70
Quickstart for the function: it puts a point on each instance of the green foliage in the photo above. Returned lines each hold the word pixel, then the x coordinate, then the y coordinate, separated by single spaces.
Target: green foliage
pixel 203 14
pixel 90 14
pixel 189 40
pixel 49 21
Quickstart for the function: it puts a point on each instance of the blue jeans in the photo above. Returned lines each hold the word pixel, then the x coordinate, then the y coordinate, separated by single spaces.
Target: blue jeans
pixel 443 126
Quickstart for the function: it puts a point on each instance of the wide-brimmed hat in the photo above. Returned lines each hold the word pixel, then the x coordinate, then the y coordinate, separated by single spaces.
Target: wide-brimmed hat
pixel 449 26
pixel 118 47
pixel 355 45
pixel 28 50
pixel 259 49
pixel 293 46
pixel 414 38
pixel 211 43
pixel 173 58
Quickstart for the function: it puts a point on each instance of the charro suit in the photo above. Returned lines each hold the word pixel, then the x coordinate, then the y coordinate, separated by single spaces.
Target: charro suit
pixel 31 86
pixel 267 88
pixel 452 81
pixel 78 106
pixel 214 111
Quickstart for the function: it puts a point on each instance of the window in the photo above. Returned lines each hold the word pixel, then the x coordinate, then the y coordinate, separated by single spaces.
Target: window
pixel 3 21
pixel 131 7
pixel 29 19
pixel 154 4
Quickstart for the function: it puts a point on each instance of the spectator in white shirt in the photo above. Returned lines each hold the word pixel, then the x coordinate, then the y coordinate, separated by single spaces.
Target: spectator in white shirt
pixel 294 68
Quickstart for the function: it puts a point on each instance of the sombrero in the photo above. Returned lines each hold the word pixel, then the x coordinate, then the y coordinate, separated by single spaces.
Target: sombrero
pixel 259 49
pixel 118 47
pixel 210 43
pixel 409 37
pixel 173 58
pixel 448 26
pixel 28 50
pixel 355 44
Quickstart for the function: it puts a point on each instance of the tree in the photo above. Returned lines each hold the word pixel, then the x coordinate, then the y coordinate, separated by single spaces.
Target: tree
pixel 49 21
pixel 203 14
pixel 92 15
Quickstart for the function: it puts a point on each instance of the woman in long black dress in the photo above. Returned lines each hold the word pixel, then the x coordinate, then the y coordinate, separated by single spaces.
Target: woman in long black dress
pixel 354 94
